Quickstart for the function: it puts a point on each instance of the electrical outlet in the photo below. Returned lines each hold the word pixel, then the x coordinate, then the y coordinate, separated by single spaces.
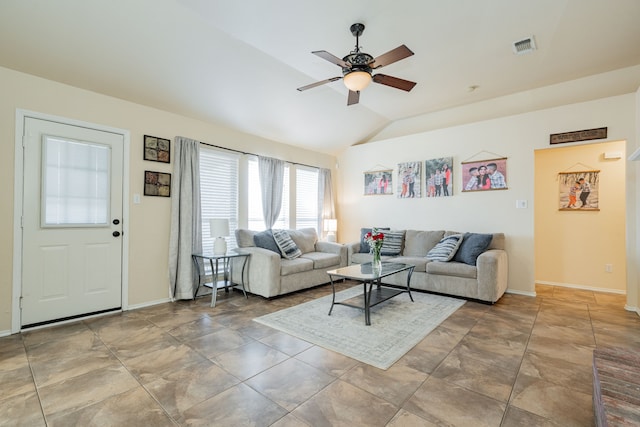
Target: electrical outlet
pixel 608 268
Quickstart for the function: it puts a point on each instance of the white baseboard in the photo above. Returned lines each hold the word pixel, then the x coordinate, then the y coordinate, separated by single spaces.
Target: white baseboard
pixel 636 310
pixel 517 292
pixel 148 304
pixel 5 333
pixel 582 287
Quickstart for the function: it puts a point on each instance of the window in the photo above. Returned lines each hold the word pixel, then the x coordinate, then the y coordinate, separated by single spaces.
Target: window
pixel 256 219
pixel 306 197
pixel 218 192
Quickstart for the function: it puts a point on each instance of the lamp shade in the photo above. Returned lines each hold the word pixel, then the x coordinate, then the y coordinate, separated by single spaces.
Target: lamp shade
pixel 357 80
pixel 219 227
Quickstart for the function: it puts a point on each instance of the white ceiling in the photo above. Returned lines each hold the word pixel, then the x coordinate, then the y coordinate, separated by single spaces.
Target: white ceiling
pixel 238 63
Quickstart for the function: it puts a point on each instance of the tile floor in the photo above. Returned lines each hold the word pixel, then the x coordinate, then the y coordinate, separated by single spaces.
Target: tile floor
pixel 521 362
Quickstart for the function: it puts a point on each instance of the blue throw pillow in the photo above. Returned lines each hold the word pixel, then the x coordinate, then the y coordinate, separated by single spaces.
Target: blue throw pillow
pixel 473 244
pixel 364 246
pixel 264 239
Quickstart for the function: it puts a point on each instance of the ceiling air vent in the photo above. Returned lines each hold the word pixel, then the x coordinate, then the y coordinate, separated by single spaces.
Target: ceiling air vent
pixel 524 46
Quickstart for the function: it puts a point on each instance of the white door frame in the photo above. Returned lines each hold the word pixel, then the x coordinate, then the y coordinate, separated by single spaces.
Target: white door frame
pixel 18 197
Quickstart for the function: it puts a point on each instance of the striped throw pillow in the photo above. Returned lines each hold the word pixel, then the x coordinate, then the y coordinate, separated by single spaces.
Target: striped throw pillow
pixel 287 246
pixel 445 249
pixel 392 243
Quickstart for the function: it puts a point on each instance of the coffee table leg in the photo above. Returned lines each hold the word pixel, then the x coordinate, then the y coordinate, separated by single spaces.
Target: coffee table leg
pixel 367 303
pixel 408 281
pixel 333 290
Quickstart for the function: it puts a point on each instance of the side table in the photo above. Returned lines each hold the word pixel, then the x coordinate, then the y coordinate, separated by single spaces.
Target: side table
pixel 216 263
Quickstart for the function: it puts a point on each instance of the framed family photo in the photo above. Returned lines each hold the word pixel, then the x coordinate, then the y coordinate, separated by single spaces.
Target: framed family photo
pixel 409 180
pixel 439 177
pixel 579 190
pixel 490 174
pixel 378 183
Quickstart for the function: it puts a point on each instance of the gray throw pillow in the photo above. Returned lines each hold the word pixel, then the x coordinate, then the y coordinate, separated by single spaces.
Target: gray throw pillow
pixel 392 243
pixel 446 248
pixel 264 239
pixel 288 247
pixel 473 244
pixel 364 246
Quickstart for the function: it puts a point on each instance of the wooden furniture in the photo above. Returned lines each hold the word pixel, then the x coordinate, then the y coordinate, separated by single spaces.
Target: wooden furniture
pixel 616 387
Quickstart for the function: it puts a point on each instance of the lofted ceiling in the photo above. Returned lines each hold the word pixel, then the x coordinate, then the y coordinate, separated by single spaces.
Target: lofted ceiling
pixel 238 63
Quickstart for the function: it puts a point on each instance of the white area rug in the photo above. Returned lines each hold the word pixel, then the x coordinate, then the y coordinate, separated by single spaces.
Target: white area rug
pixel 397 325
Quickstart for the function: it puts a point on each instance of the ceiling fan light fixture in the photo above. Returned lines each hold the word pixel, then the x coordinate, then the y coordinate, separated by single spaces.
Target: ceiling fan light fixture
pixel 357 80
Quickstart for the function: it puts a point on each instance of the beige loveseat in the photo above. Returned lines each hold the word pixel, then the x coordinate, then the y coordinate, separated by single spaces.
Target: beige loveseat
pixel 485 281
pixel 270 274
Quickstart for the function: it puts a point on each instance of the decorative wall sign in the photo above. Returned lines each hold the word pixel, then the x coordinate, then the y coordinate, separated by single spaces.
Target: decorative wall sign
pixel 157 184
pixel 579 190
pixel 157 149
pixel 490 174
pixel 409 180
pixel 439 177
pixel 579 135
pixel 378 183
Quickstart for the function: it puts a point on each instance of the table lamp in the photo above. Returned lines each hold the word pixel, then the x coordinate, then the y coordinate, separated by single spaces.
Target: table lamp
pixel 219 227
pixel 331 226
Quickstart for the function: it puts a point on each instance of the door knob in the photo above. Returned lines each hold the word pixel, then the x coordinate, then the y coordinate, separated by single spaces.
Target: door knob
pixel 116 233
pixel 116 221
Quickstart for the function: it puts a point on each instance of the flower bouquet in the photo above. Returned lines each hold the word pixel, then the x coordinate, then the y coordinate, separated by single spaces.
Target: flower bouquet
pixel 375 239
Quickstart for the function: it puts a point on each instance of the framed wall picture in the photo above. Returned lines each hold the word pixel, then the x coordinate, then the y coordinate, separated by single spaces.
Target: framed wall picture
pixel 439 177
pixel 490 174
pixel 378 183
pixel 579 190
pixel 409 180
pixel 157 184
pixel 157 149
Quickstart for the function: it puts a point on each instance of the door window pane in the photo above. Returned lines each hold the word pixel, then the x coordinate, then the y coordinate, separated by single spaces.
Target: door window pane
pixel 76 178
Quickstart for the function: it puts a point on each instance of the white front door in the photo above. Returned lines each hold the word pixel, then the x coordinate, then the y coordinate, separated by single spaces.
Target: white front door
pixel 72 221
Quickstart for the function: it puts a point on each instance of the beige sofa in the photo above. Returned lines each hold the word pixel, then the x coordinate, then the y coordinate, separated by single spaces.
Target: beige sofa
pixel 269 274
pixel 485 281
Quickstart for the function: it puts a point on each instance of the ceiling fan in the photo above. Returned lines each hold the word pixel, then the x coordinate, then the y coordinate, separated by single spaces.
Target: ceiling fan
pixel 357 68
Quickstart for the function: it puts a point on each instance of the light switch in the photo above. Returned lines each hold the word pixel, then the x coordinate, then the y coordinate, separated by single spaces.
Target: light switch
pixel 521 204
pixel 136 199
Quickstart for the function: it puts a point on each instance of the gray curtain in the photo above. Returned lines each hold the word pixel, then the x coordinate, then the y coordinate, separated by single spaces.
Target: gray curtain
pixel 271 181
pixel 326 207
pixel 186 222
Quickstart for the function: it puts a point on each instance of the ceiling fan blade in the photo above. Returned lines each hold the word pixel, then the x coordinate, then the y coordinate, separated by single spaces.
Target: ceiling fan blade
pixel 354 97
pixel 331 58
pixel 320 83
pixel 392 56
pixel 395 82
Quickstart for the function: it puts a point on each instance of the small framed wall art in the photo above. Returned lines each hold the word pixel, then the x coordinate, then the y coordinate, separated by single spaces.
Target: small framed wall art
pixel 157 149
pixel 157 184
pixel 378 183
pixel 490 174
pixel 579 190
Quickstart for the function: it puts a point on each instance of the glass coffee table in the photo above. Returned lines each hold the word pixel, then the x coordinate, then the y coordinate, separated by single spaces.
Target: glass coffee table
pixel 374 292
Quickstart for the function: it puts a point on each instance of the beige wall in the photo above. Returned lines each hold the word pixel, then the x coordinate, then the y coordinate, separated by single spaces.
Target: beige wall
pixel 572 248
pixel 515 137
pixel 149 221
